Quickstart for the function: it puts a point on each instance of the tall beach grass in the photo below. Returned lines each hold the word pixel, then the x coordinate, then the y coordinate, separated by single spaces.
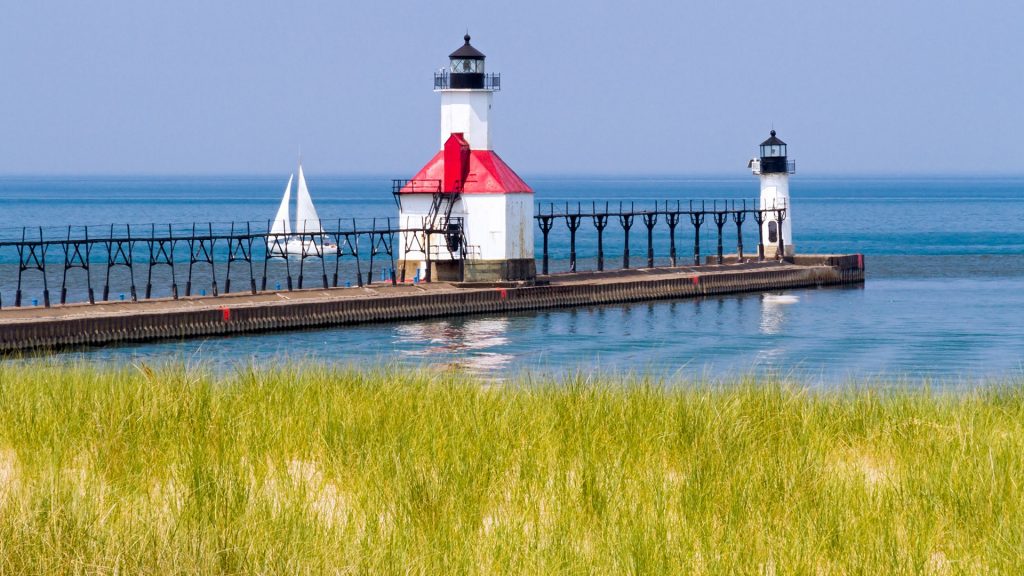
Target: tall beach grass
pixel 314 469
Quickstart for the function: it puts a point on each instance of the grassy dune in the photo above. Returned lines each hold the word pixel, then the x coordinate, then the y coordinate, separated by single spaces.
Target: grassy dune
pixel 318 470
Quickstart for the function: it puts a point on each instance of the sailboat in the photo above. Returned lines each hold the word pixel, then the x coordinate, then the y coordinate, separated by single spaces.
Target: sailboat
pixel 307 237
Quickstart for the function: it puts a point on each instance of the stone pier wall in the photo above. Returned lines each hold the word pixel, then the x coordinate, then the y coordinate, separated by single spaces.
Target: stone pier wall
pixel 85 325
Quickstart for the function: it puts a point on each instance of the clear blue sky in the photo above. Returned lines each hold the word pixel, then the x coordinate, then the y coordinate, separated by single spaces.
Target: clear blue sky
pixel 190 87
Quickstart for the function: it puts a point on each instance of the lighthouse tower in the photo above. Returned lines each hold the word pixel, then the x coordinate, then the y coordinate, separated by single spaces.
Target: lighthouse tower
pixel 774 169
pixel 466 188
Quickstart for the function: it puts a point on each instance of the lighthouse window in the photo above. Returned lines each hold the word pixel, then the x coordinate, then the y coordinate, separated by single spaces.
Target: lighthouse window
pixel 467 66
pixel 773 232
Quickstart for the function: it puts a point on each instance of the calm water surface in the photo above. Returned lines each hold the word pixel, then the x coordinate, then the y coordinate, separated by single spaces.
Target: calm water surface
pixel 944 297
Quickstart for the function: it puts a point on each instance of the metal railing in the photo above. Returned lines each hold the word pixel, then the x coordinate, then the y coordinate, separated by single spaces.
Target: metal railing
pixel 773 165
pixel 491 81
pixel 717 212
pixel 214 255
pixel 217 251
pixel 417 186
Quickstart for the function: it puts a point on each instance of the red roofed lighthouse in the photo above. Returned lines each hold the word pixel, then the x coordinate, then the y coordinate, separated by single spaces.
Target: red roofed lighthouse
pixel 467 186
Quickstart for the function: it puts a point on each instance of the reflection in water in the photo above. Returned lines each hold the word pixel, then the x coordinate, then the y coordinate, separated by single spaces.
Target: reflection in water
pixel 773 312
pixel 459 342
pixel 773 319
pixel 903 327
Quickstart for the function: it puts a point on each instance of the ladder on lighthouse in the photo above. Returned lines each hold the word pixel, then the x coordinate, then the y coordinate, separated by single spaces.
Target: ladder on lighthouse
pixel 442 202
pixel 439 218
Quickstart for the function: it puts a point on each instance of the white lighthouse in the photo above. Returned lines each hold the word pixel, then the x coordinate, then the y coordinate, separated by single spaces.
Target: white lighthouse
pixel 466 187
pixel 774 169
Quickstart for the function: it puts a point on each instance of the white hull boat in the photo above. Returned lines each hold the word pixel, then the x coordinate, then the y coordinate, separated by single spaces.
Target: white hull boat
pixel 316 247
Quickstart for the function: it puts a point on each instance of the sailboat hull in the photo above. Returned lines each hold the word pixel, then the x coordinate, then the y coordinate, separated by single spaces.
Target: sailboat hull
pixel 296 248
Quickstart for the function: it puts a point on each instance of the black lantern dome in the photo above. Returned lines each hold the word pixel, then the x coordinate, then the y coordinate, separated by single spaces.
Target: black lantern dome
pixel 773 155
pixel 467 67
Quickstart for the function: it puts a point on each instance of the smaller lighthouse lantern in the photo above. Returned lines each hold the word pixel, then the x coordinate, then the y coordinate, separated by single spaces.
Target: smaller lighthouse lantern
pixel 774 167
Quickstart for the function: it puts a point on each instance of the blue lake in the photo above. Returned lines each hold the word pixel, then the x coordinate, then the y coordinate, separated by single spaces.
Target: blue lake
pixel 944 298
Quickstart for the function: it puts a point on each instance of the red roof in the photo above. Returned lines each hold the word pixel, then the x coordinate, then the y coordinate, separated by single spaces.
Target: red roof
pixel 488 174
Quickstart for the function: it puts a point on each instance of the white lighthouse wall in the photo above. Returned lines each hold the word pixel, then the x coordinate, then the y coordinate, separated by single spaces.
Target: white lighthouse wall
pixel 466 111
pixel 498 226
pixel 519 223
pixel 775 192
pixel 485 225
pixel 415 208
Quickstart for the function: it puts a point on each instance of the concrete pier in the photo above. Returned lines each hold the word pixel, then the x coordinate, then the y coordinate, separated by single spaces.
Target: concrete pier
pixel 72 325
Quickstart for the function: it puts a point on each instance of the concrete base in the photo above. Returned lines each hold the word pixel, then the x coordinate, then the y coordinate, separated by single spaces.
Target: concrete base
pixel 406 269
pixel 440 271
pixel 475 270
pixel 770 254
pixel 501 270
pixel 772 251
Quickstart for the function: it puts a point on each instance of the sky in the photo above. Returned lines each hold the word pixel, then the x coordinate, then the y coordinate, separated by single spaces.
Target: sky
pixel 598 87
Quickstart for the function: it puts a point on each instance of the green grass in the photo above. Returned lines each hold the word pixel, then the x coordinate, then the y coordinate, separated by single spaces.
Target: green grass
pixel 311 469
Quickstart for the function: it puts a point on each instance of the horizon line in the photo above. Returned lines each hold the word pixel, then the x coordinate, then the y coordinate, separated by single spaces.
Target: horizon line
pixel 526 174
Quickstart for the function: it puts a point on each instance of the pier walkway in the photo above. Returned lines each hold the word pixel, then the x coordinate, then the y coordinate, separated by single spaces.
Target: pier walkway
pixel 71 325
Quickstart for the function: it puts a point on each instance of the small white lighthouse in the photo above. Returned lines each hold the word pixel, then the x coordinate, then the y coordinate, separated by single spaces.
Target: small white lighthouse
pixel 774 169
pixel 466 186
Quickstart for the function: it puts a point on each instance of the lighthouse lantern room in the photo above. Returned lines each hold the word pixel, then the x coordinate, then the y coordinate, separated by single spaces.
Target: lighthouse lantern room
pixel 466 189
pixel 774 167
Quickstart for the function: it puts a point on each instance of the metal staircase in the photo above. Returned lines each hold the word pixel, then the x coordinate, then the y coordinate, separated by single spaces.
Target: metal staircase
pixel 443 202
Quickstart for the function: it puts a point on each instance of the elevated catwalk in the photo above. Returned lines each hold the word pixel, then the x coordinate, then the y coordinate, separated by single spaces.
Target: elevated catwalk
pixel 71 325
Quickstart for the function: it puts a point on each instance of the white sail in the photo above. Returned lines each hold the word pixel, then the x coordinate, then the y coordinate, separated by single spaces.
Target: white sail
pixel 282 221
pixel 306 218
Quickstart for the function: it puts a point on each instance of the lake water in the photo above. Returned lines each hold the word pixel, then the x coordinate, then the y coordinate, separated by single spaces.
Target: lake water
pixel 944 298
